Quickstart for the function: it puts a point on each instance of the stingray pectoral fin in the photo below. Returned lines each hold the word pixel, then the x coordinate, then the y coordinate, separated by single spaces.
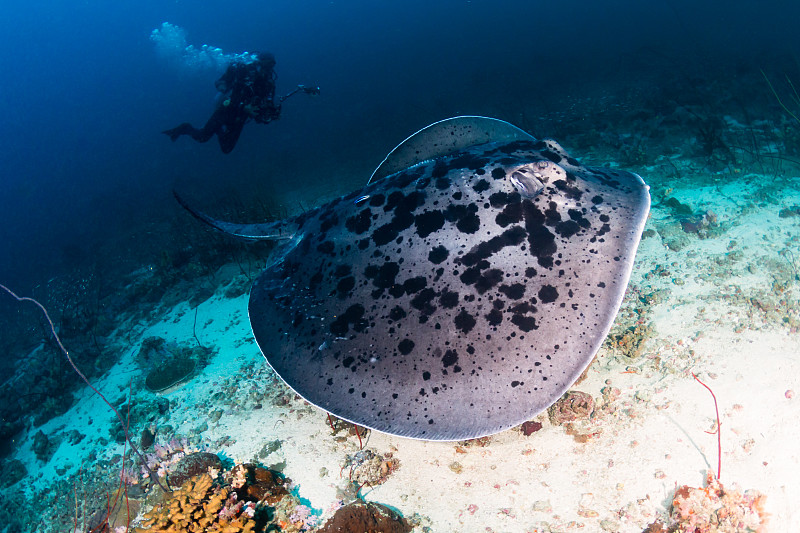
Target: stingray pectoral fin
pixel 279 229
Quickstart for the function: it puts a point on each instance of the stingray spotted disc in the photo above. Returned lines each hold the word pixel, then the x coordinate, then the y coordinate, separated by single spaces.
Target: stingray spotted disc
pixel 459 293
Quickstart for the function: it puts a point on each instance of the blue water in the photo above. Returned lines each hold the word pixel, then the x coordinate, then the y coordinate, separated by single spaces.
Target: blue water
pixel 85 95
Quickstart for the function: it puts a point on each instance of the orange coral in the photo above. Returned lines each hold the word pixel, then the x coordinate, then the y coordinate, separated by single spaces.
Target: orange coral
pixel 715 509
pixel 195 508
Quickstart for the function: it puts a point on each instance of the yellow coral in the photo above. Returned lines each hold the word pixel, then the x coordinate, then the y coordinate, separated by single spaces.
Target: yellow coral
pixel 194 508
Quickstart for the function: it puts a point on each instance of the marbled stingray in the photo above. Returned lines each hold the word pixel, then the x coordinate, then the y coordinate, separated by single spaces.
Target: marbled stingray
pixel 459 293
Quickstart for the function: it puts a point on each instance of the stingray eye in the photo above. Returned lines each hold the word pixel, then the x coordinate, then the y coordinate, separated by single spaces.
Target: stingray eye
pixel 526 183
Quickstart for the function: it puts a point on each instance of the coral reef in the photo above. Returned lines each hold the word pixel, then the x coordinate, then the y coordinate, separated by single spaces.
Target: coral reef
pixel 574 405
pixel 713 509
pixel 368 467
pixel 192 465
pixel 197 506
pixel 247 499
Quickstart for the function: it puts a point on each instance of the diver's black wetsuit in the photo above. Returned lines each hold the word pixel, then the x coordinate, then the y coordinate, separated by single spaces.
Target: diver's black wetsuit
pixel 248 92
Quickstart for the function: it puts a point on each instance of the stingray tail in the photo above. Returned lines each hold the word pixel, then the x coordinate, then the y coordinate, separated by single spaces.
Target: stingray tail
pixel 277 230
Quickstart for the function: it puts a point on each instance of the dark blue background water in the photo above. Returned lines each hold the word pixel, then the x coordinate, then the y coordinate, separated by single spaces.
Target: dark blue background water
pixel 84 96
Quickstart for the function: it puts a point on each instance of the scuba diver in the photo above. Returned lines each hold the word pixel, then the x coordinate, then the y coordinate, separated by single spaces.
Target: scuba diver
pixel 247 91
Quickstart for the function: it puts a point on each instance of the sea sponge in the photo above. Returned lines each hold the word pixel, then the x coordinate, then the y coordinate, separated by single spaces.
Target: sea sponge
pixel 366 516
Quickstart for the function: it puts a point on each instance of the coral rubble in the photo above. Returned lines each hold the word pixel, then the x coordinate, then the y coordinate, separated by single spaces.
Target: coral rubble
pixel 713 509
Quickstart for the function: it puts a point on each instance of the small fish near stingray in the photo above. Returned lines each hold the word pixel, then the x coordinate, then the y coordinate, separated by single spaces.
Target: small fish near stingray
pixel 456 295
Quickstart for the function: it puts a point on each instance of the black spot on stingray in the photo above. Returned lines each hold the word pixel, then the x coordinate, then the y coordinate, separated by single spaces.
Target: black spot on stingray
pixel 442 183
pixel 569 190
pixel 523 308
pixel 393 200
pixel 567 229
pixel 542 243
pixel 548 294
pixel 498 173
pixel 359 223
pixel 495 317
pixel 604 218
pixel 406 177
pixel 514 291
pixel 552 156
pixel 438 254
pixel 480 171
pixel 396 291
pixel 515 383
pixel 481 186
pixel 448 299
pixel 429 222
pixel 347 361
pixel 450 358
pixel 457 195
pixel 511 214
pixel 578 217
pixel 353 316
pixel 298 318
pixel 345 285
pixel 597 200
pixel 524 323
pixel 342 271
pixel 405 346
pixel 426 375
pixel 488 279
pixel 530 272
pixel 422 301
pixel 440 169
pixel 385 234
pixel 467 160
pixel 602 285
pixel 328 222
pixel 363 244
pixel 410 202
pixel 326 247
pixel 397 313
pixel 384 276
pixel 377 200
pixel 551 214
pixel 415 284
pixel 465 321
pixel 471 223
pixel 470 276
pixel 499 199
pixel 510 237
pixel 517 145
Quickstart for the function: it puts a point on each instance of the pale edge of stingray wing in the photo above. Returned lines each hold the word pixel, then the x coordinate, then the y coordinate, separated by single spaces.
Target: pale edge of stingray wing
pixel 277 230
pixel 447 137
